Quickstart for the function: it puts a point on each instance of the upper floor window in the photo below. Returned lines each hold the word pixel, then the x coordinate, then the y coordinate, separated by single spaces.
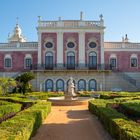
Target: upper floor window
pixel 70 45
pixel 133 62
pixel 28 62
pixel 8 62
pixel 49 45
pixel 92 45
pixel 113 62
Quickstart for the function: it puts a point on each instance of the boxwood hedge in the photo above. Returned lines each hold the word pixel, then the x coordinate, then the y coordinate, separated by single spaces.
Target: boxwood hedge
pixel 25 124
pixel 116 123
pixel 10 108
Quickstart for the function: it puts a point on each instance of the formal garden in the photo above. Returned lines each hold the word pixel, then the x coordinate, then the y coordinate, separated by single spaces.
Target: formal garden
pixel 22 111
pixel 119 112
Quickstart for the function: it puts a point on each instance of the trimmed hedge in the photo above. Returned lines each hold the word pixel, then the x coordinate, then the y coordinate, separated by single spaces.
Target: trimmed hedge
pixel 112 95
pixel 25 124
pixel 131 108
pixel 6 109
pixel 116 123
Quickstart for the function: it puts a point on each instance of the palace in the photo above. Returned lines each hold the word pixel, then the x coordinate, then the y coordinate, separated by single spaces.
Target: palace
pixel 72 48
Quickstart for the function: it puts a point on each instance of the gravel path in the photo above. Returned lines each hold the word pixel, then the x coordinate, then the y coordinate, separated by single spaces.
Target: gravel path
pixel 71 123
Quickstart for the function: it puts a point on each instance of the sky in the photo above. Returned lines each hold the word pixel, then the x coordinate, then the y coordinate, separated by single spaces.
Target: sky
pixel 120 16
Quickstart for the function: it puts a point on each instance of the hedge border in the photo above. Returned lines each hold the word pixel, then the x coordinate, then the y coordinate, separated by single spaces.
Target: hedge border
pixel 115 123
pixel 25 124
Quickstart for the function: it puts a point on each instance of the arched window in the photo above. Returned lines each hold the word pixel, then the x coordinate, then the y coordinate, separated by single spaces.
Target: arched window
pixel 92 60
pixel 49 85
pixel 133 60
pixel 8 61
pixel 92 85
pixel 113 61
pixel 49 60
pixel 71 60
pixel 82 85
pixel 60 85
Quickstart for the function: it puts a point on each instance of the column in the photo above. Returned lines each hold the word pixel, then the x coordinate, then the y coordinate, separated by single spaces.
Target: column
pixel 39 48
pixel 82 48
pixel 102 48
pixel 60 49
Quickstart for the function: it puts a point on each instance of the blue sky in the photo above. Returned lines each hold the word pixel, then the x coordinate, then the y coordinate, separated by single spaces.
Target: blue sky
pixel 120 16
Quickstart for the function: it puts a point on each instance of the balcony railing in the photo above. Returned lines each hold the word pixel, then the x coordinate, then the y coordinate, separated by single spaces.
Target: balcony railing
pixel 71 67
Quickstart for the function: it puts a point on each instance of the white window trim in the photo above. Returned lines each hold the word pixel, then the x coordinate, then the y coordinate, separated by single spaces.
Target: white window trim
pixel 113 56
pixel 8 57
pixel 134 56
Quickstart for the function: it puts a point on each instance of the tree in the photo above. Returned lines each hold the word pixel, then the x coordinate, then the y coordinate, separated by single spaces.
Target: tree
pixel 23 81
pixel 6 84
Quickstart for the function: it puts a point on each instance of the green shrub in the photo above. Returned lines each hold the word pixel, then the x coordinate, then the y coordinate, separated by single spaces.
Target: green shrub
pixel 116 123
pixel 25 124
pixel 6 109
pixel 131 108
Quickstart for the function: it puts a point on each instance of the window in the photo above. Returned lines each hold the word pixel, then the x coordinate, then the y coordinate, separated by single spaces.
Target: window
pixel 8 62
pixel 82 85
pixel 49 85
pixel 60 85
pixel 92 44
pixel 133 62
pixel 49 45
pixel 92 85
pixel 92 60
pixel 49 60
pixel 28 62
pixel 70 45
pixel 70 60
pixel 113 62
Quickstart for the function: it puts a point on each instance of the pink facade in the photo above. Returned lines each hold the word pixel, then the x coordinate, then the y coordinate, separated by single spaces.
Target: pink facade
pixel 123 60
pixel 97 37
pixel 66 37
pixel 44 38
pixel 18 60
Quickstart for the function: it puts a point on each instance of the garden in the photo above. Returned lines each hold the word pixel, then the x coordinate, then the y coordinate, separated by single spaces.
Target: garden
pixel 21 110
pixel 119 112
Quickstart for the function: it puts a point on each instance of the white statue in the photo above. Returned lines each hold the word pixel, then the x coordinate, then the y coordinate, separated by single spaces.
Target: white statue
pixel 70 91
pixel 71 87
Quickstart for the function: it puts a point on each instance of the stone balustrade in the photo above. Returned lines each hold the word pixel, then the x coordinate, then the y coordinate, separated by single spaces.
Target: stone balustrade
pixel 19 45
pixel 121 45
pixel 69 24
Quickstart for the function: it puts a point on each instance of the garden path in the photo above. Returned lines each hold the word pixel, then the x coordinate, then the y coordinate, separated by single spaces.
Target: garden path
pixel 71 123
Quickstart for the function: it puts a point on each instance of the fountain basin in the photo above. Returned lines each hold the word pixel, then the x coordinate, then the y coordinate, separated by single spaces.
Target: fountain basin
pixel 61 101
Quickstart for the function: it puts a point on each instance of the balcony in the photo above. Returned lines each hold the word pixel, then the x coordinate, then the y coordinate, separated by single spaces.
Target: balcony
pixel 72 67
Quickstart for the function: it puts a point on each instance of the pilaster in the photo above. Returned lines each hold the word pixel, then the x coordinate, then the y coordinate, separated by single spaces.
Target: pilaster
pixel 102 48
pixel 81 48
pixel 39 48
pixel 59 47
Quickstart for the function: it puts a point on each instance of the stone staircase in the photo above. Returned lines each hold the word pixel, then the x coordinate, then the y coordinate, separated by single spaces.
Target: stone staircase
pixel 119 80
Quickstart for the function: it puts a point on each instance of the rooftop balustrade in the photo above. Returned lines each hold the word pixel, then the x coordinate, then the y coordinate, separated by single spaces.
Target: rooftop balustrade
pixel 69 24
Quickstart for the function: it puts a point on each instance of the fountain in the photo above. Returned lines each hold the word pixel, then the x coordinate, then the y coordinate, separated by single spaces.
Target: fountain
pixel 70 97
